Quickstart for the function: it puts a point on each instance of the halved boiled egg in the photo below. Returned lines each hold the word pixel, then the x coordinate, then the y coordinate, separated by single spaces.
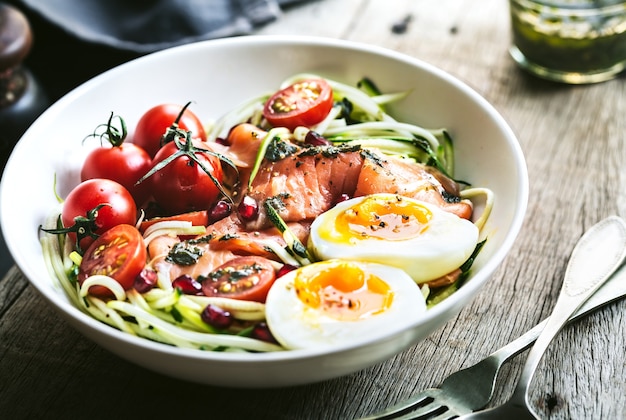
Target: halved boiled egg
pixel 338 302
pixel 420 238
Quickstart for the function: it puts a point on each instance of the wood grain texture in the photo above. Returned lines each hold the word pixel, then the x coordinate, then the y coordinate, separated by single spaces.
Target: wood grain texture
pixel 573 140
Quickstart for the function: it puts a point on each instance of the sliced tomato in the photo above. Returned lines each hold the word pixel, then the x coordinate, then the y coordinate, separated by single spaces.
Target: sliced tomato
pixel 119 253
pixel 197 218
pixel 304 103
pixel 244 278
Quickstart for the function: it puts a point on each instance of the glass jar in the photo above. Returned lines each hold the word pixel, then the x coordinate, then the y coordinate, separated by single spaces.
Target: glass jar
pixel 570 41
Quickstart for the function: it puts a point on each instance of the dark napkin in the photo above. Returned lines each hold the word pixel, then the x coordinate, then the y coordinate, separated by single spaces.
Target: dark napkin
pixel 144 26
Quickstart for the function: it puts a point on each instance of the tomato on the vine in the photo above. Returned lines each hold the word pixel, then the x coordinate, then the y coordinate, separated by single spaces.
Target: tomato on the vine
pixel 182 185
pixel 245 278
pixel 119 161
pixel 119 253
pixel 155 122
pixel 124 164
pixel 117 207
pixel 304 103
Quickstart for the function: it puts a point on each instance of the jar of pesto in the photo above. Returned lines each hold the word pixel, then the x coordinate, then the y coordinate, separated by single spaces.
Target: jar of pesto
pixel 570 41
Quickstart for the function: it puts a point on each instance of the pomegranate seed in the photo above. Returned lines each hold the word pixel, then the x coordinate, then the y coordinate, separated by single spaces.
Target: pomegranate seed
pixel 188 285
pixel 145 281
pixel 219 211
pixel 262 332
pixel 248 209
pixel 216 317
pixel 285 269
pixel 315 139
pixel 342 198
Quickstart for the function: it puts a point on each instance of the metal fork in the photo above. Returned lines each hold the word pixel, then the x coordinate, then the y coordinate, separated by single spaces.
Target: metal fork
pixel 604 245
pixel 472 388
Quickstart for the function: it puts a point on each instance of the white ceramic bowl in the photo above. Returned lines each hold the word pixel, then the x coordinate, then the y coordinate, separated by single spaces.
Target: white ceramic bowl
pixel 217 76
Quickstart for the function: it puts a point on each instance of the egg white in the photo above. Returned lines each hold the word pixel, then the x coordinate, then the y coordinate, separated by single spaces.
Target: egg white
pixel 444 245
pixel 296 325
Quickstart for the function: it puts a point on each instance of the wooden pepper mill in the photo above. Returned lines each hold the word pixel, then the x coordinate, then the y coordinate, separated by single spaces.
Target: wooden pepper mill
pixel 22 99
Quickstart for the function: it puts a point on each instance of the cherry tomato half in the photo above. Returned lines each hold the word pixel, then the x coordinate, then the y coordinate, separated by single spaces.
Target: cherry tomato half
pixel 124 164
pixel 119 253
pixel 245 278
pixel 154 123
pixel 304 103
pixel 119 209
pixel 182 185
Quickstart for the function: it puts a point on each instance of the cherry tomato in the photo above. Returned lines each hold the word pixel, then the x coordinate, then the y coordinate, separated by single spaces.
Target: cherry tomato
pixel 154 123
pixel 244 135
pixel 197 218
pixel 119 206
pixel 304 103
pixel 119 253
pixel 182 185
pixel 245 278
pixel 124 164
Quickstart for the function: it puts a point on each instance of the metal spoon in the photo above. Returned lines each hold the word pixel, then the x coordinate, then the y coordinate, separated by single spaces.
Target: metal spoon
pixel 597 255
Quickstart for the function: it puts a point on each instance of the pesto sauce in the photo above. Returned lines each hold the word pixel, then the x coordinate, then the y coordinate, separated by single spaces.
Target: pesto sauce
pixel 569 39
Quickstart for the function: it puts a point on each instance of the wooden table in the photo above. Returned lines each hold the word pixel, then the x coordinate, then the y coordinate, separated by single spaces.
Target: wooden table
pixel 573 139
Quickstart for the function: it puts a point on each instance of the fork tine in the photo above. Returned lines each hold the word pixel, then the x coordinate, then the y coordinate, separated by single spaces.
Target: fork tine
pixel 420 406
pixel 431 411
pixel 445 416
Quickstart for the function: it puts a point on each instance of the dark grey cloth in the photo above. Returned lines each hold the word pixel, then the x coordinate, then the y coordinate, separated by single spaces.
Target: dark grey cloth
pixel 149 25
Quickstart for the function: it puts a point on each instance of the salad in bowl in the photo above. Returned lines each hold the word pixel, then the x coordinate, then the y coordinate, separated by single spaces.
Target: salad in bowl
pixel 312 215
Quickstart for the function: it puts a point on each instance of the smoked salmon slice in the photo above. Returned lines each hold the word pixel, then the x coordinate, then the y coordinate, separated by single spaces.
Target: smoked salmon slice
pixel 313 180
pixel 160 247
pixel 306 184
pixel 230 234
pixel 225 240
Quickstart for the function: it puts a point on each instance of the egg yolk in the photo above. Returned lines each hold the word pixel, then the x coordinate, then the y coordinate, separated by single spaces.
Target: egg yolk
pixel 342 291
pixel 380 218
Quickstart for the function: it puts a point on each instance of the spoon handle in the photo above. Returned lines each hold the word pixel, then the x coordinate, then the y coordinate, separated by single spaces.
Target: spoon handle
pixel 598 254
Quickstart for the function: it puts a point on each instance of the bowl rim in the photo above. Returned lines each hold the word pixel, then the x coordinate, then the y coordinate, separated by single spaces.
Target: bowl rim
pixel 469 289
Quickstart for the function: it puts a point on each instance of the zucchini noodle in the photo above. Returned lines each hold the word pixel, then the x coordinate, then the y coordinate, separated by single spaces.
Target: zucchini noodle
pixel 191 338
pixel 104 281
pixel 280 252
pixel 322 126
pixel 108 315
pixel 184 230
pixel 162 314
pixel 51 252
pixel 389 97
pixel 381 128
pixel 167 224
pixel 470 193
pixel 242 309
